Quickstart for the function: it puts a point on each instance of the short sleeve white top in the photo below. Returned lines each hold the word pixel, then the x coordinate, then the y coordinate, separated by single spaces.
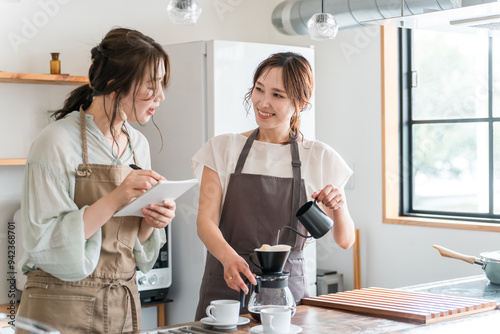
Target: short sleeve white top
pixel 321 165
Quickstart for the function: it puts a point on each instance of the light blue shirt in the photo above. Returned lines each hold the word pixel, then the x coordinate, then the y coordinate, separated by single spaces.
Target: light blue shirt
pixel 53 235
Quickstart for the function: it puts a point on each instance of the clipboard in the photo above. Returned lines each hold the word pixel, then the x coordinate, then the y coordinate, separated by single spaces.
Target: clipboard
pixel 156 195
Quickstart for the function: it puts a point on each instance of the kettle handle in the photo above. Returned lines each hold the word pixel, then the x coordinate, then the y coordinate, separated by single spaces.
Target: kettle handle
pixel 242 293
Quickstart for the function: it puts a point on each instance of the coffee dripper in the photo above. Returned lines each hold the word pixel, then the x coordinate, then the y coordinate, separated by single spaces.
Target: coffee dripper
pixel 272 289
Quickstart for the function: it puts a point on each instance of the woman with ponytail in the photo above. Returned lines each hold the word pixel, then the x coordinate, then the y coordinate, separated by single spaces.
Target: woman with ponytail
pixel 79 259
pixel 253 183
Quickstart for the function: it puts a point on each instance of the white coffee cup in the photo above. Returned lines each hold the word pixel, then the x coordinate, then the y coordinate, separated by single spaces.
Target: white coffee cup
pixel 224 311
pixel 275 320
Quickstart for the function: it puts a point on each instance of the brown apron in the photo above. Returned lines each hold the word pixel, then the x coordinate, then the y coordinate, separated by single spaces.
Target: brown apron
pixel 255 208
pixel 107 301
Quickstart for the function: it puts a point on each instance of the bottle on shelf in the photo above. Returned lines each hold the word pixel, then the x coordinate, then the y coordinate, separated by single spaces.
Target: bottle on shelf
pixel 55 64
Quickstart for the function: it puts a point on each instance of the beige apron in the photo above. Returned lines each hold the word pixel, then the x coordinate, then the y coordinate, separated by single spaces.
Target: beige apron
pixel 255 208
pixel 107 301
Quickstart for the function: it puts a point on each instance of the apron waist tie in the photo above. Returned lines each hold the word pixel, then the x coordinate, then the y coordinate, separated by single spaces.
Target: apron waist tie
pixel 115 285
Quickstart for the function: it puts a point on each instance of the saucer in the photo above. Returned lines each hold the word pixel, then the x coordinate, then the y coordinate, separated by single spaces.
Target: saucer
pixel 209 321
pixel 294 329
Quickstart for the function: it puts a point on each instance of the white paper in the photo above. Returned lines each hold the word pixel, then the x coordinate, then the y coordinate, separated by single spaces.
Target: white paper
pixel 156 195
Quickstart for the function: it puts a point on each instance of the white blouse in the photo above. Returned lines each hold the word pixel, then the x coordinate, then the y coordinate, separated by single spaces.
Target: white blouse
pixel 321 165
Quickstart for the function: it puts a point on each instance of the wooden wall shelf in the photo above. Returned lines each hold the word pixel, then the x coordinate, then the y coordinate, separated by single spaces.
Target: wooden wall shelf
pixel 12 162
pixel 47 79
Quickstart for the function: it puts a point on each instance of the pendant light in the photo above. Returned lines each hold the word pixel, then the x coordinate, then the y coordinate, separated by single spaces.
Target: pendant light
pixel 184 12
pixel 322 25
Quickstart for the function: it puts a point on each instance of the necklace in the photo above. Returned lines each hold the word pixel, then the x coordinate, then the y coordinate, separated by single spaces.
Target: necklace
pixel 122 131
pixel 113 138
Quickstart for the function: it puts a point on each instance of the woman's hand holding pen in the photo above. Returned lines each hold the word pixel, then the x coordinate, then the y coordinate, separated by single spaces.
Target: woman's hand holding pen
pixel 156 216
pixel 136 183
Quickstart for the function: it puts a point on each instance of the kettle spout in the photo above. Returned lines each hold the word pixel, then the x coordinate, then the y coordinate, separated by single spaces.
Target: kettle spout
pixel 291 228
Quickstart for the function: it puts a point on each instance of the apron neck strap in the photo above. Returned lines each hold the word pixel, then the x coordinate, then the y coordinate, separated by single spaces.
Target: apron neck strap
pixel 244 152
pixel 83 133
pixel 292 237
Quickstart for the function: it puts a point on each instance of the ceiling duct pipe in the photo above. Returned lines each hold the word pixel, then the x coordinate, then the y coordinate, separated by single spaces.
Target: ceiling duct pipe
pixel 290 17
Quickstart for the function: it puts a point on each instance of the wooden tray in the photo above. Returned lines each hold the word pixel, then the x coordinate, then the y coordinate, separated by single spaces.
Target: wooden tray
pixel 415 307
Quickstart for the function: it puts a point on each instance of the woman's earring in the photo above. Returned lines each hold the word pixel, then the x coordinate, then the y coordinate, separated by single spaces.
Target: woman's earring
pixel 123 115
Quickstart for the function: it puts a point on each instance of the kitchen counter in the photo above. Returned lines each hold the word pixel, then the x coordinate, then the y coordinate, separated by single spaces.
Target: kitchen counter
pixel 472 286
pixel 320 320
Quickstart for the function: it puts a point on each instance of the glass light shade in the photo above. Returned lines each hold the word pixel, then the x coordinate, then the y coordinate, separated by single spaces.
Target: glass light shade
pixel 183 11
pixel 322 26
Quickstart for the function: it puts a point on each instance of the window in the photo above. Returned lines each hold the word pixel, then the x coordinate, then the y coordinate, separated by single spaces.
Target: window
pixel 448 126
pixel 440 125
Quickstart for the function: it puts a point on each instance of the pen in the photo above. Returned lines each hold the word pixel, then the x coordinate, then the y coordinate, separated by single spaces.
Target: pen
pixel 134 166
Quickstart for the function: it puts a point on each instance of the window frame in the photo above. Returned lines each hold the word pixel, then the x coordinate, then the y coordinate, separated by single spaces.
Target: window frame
pixel 391 150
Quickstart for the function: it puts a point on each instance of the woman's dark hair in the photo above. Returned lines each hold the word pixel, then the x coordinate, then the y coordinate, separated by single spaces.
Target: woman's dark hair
pixel 119 63
pixel 297 80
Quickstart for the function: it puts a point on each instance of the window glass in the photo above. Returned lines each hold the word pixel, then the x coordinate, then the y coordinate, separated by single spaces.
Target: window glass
pixel 496 76
pixel 496 168
pixel 452 75
pixel 450 167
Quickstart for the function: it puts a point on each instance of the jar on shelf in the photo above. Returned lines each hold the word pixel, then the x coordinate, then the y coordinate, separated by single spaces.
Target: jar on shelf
pixel 55 64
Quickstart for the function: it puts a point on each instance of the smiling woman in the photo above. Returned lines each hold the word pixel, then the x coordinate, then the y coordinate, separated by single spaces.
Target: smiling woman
pixel 271 104
pixel 253 184
pixel 283 84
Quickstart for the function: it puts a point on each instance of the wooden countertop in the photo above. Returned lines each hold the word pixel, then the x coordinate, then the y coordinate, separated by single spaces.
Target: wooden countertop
pixel 319 320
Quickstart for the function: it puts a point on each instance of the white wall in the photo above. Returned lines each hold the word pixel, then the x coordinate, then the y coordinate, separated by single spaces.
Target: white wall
pixel 347 112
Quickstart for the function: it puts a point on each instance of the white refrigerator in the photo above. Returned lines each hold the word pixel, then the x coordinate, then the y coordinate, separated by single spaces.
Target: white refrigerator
pixel 204 99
